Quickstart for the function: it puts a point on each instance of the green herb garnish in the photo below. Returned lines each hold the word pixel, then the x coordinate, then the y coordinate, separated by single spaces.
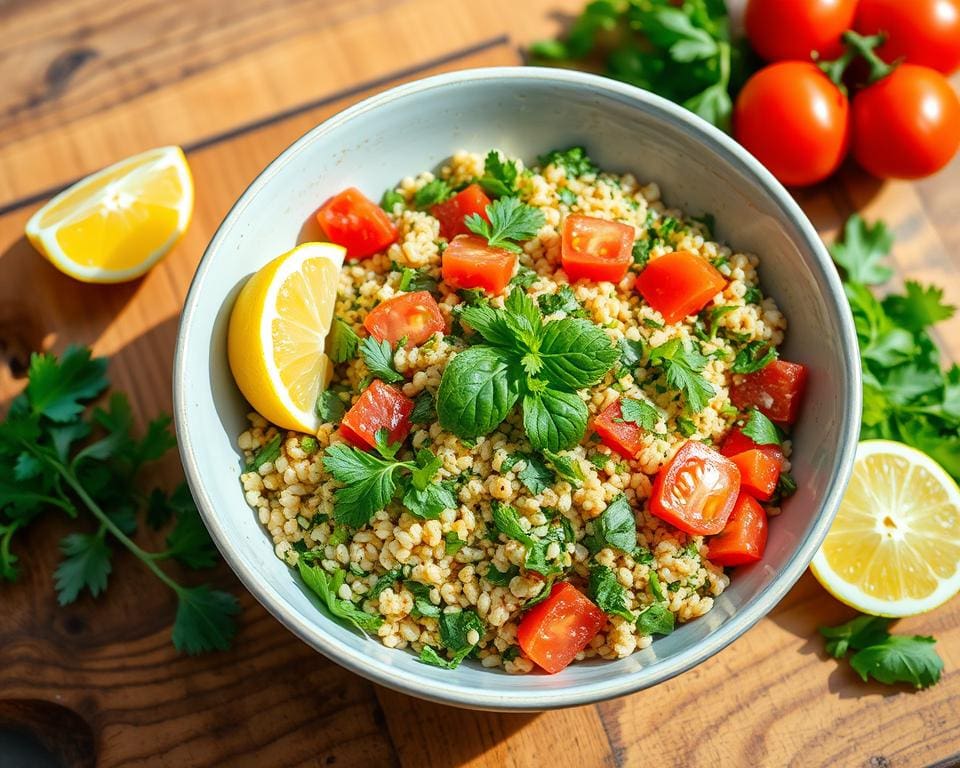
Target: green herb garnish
pixel 510 222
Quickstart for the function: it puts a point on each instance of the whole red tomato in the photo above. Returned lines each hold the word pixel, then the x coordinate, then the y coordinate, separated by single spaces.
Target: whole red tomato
pixel 923 32
pixel 906 125
pixel 792 29
pixel 794 120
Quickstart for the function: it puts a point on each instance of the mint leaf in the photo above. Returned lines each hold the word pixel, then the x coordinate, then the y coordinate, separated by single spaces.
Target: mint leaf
pixel 565 466
pixel 575 353
pixel 455 628
pixel 607 592
pixel 477 391
pixel 858 633
pixel 655 619
pixel 86 565
pixel 424 409
pixel 204 620
pixel 900 659
pixel 422 605
pixel 535 475
pixel 452 543
pixel 554 420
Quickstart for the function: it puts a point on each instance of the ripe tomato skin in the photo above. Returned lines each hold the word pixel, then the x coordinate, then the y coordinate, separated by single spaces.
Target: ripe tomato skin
pixel 759 473
pixel 696 491
pixel 415 316
pixel 357 223
pixel 452 212
pixel 744 538
pixel 924 32
pixel 380 406
pixel 469 262
pixel 795 121
pixel 776 390
pixel 793 29
pixel 624 437
pixel 596 249
pixel 554 631
pixel 736 442
pixel 906 125
pixel 678 284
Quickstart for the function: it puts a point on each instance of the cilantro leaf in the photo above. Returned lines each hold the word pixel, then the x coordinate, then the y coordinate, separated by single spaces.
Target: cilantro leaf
pixel 754 356
pixel 500 175
pixel 858 633
pixel 655 619
pixel 641 412
pixel 682 364
pixel 574 161
pixel 575 353
pixel 608 593
pixel 369 483
pixel 327 587
pixel 343 342
pixel 431 193
pixel 760 429
pixel 511 221
pixel 554 420
pixel 204 619
pixel 900 659
pixel 58 389
pixel 379 359
pixel 86 565
pixel 861 251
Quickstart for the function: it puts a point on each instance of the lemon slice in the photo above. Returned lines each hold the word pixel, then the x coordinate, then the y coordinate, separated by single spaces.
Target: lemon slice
pixel 894 548
pixel 116 224
pixel 278 330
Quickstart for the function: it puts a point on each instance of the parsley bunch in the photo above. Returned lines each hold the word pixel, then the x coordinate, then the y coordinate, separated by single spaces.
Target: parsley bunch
pixel 523 359
pixel 55 454
pixel 680 51
pixel 906 394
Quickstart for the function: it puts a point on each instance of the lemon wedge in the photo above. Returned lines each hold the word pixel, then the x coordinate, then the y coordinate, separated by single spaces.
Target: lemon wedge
pixel 278 330
pixel 116 224
pixel 894 548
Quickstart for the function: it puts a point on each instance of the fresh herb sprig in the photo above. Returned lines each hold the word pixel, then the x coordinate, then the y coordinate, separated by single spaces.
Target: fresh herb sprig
pixel 58 454
pixel 541 365
pixel 510 222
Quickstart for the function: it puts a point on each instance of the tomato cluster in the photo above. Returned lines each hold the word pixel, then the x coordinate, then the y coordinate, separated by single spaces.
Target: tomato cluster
pixel 903 119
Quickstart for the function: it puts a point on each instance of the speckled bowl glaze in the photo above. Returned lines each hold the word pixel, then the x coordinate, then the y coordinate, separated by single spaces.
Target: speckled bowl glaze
pixel 524 112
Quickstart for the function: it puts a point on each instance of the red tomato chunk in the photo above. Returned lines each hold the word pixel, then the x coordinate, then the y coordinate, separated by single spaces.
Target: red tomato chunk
pixel 596 249
pixel 744 538
pixel 679 284
pixel 469 262
pixel 775 390
pixel 357 223
pixel 696 491
pixel 624 437
pixel 554 631
pixel 379 407
pixel 759 473
pixel 413 316
pixel 736 442
pixel 451 213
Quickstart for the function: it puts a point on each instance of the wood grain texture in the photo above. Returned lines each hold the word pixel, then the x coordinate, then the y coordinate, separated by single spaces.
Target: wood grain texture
pixel 88 82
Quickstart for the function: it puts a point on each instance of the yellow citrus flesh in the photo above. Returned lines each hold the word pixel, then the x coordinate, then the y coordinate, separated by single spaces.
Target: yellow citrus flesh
pixel 278 331
pixel 116 224
pixel 894 548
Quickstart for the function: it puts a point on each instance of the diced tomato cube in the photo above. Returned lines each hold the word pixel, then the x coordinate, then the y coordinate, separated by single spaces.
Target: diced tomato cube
pixel 596 249
pixel 759 473
pixel 470 262
pixel 357 223
pixel 679 284
pixel 744 537
pixel 554 631
pixel 624 437
pixel 413 316
pixel 736 442
pixel 776 390
pixel 379 407
pixel 451 213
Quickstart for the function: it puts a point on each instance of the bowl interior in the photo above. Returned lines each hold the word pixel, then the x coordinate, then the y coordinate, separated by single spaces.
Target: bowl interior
pixel 524 112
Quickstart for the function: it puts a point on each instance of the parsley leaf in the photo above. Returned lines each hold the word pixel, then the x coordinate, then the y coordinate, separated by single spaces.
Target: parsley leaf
pixel 535 475
pixel 86 566
pixel 370 483
pixel 424 409
pixel 683 364
pixel 501 578
pixel 656 589
pixel 858 633
pixel 566 466
pixel 455 628
pixel 379 359
pixel 431 193
pixel 417 280
pixel 511 221
pixel 422 604
pixel 388 579
pixel 754 356
pixel 204 619
pixel 760 429
pixel 268 453
pixel 862 250
pixel 343 342
pixel 574 161
pixel 608 593
pixel 615 527
pixel 500 176
pixel 327 586
pixel 918 308
pixel 655 619
pixel 643 413
pixel 330 408
pixel 58 389
pixel 429 502
pixel 561 301
pixel 452 543
pixel 900 659
pixel 189 541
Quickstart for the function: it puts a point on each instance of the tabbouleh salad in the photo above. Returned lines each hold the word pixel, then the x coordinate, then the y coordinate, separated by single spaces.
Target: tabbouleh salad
pixel 556 413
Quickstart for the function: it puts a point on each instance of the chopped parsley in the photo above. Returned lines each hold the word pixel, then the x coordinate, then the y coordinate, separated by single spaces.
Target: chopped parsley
pixel 754 356
pixel 615 527
pixel 574 161
pixel 431 193
pixel 608 593
pixel 343 342
pixel 510 222
pixel 760 429
pixel 500 176
pixel 683 364
pixel 379 359
pixel 267 454
pixel 655 619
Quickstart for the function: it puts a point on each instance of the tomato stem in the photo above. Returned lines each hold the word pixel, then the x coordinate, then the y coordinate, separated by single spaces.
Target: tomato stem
pixel 864 47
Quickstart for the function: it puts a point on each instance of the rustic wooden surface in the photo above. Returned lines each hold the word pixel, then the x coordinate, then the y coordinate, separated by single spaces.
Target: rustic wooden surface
pixel 86 82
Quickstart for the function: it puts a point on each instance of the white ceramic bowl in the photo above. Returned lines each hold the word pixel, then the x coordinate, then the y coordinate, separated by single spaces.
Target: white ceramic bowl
pixel 524 112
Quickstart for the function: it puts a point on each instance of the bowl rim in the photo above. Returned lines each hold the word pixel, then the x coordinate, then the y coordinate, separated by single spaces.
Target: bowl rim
pixel 313 633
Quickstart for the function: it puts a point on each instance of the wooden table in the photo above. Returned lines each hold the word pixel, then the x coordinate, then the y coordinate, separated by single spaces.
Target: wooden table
pixel 86 82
